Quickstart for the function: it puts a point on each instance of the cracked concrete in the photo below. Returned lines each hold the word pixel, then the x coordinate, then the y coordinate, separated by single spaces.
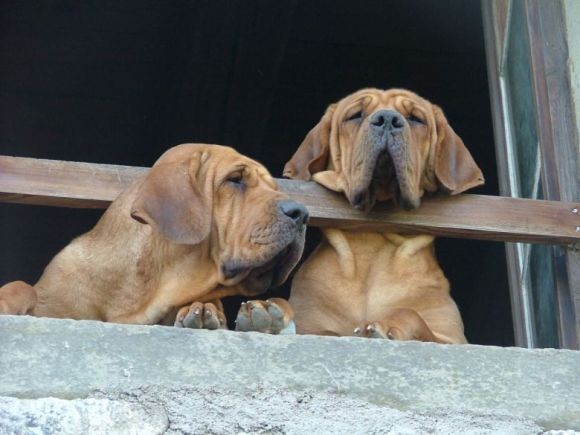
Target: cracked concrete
pixel 264 410
pixel 355 385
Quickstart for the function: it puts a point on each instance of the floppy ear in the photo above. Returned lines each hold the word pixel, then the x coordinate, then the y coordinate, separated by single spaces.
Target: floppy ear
pixel 171 202
pixel 312 154
pixel 329 179
pixel 455 169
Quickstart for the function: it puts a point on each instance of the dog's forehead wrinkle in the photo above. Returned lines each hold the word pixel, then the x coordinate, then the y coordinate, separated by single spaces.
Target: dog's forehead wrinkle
pixel 204 157
pixel 370 101
pixel 265 176
pixel 394 99
pixel 405 104
pixel 352 106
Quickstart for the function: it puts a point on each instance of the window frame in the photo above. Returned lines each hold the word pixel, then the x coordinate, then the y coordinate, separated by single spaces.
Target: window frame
pixel 557 140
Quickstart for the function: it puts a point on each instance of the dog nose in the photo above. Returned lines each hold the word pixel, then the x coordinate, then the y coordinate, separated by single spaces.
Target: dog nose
pixel 387 119
pixel 294 210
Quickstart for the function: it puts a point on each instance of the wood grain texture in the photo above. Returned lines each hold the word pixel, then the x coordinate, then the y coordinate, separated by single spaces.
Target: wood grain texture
pixel 558 140
pixel 87 185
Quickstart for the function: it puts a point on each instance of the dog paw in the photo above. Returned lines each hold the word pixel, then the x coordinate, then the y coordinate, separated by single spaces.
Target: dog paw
pixel 375 330
pixel 17 298
pixel 400 324
pixel 273 316
pixel 200 316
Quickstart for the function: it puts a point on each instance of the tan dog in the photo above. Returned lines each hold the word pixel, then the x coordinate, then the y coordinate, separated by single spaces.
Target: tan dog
pixel 376 145
pixel 205 222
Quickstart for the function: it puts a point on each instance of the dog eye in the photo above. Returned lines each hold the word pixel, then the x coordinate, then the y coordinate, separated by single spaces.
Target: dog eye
pixel 357 115
pixel 414 119
pixel 236 178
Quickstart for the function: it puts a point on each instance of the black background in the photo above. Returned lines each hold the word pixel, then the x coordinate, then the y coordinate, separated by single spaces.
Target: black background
pixel 121 81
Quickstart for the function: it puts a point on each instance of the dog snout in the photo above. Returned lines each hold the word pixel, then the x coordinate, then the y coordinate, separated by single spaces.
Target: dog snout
pixel 360 199
pixel 232 269
pixel 294 210
pixel 387 120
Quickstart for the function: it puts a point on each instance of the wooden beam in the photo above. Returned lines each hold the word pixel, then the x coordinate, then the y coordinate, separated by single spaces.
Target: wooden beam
pixel 61 183
pixel 87 185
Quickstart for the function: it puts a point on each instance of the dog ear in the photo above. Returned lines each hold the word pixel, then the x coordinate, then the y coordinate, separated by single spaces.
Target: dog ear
pixel 170 200
pixel 330 179
pixel 312 154
pixel 455 169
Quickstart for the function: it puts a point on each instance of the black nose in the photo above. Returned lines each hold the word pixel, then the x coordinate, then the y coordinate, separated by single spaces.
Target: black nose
pixel 387 119
pixel 294 210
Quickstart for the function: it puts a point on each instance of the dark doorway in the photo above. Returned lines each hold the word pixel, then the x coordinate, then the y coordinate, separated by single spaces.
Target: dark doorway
pixel 121 81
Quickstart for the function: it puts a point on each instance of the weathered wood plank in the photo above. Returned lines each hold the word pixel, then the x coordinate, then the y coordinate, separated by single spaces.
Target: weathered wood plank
pixel 557 136
pixel 87 185
pixel 60 183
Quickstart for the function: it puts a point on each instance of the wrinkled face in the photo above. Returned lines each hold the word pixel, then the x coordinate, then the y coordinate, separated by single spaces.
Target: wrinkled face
pixel 384 141
pixel 214 196
pixel 376 145
pixel 258 232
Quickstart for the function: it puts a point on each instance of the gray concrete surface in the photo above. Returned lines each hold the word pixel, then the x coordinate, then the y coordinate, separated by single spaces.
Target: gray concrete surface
pixel 262 411
pixel 80 416
pixel 42 358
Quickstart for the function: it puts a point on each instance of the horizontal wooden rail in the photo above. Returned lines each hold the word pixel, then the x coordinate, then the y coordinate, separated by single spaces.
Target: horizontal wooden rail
pixel 88 185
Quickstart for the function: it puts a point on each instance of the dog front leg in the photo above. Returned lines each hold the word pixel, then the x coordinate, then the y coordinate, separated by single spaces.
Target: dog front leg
pixel 202 315
pixel 273 316
pixel 399 324
pixel 18 298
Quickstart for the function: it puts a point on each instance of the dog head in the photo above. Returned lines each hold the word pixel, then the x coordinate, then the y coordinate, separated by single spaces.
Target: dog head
pixel 212 196
pixel 375 145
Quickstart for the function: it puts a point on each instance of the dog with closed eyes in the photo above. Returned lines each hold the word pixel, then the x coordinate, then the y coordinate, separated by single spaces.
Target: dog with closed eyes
pixel 380 145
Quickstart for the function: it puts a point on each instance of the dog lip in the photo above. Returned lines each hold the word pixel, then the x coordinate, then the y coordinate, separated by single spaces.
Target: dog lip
pixel 258 272
pixel 271 273
pixel 363 198
pixel 230 270
pixel 359 199
pixel 271 264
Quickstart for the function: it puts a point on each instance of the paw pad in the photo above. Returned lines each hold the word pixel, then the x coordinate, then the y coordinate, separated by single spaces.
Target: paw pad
pixel 271 316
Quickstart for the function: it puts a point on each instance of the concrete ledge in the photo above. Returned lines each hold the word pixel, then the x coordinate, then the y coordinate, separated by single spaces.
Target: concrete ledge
pixel 71 359
pixel 155 410
pixel 79 416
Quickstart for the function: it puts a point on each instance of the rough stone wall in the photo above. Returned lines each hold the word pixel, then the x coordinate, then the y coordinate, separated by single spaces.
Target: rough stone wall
pixel 277 384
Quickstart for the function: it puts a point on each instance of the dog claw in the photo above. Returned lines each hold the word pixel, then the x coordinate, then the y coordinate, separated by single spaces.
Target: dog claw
pixel 200 316
pixel 370 330
pixel 266 316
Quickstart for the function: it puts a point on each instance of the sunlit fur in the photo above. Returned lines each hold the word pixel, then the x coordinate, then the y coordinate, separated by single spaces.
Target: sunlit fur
pixel 128 271
pixel 358 159
pixel 390 282
pixel 346 154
